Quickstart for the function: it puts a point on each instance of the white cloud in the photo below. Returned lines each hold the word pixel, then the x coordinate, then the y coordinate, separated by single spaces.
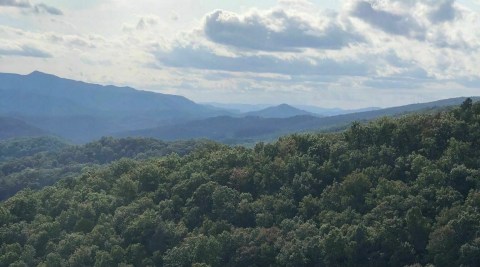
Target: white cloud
pixel 441 23
pixel 389 22
pixel 15 3
pixel 25 5
pixel 201 57
pixel 368 53
pixel 277 30
pixel 24 50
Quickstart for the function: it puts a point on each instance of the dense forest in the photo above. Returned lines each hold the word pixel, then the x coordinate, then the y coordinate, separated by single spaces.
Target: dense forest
pixel 394 192
pixel 37 162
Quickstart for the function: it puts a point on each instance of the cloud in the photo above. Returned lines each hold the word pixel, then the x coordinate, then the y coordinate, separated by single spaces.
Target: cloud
pixel 146 22
pixel 15 3
pixel 442 23
pixel 23 50
pixel 389 22
pixel 417 40
pixel 40 8
pixel 277 30
pixel 443 11
pixel 174 16
pixel 72 40
pixel 371 52
pixel 200 57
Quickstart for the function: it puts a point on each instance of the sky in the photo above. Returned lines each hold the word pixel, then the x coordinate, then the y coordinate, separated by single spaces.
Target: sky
pixel 347 54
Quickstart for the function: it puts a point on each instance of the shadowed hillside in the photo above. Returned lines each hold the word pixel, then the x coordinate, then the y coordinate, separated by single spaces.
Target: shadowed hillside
pixel 11 127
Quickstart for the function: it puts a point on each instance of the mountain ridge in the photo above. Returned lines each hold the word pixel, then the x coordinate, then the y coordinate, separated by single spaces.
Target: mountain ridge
pixel 82 111
pixel 239 129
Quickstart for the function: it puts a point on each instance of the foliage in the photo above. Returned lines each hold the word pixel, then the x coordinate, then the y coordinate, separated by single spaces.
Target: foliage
pixel 403 192
pixel 37 162
pixel 22 147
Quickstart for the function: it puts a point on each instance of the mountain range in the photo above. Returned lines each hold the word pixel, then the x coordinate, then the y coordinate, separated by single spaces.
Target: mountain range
pixel 237 108
pixel 81 111
pixel 251 129
pixel 42 104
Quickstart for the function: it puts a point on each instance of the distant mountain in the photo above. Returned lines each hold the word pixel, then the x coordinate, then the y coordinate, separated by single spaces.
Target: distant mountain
pixel 81 111
pixel 333 111
pixel 245 108
pixel 236 107
pixel 11 127
pixel 226 129
pixel 247 129
pixel 280 111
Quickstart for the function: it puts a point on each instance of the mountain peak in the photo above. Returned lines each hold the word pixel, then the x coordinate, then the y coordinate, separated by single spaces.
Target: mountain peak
pixel 280 111
pixel 37 73
pixel 285 106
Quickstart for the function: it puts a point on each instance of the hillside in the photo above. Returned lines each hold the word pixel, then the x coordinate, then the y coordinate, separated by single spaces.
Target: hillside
pixel 28 146
pixel 280 111
pixel 11 127
pixel 38 162
pixel 250 129
pixel 395 192
pixel 81 111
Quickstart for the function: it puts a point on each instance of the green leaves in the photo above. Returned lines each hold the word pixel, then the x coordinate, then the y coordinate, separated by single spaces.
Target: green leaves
pixel 390 193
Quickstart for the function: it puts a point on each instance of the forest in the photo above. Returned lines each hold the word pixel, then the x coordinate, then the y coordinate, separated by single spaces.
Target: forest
pixel 36 162
pixel 393 192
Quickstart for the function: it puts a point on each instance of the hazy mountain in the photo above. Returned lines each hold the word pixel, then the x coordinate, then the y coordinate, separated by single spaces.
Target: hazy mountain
pixel 333 111
pixel 11 127
pixel 81 111
pixel 237 130
pixel 245 108
pixel 238 108
pixel 280 111
pixel 226 128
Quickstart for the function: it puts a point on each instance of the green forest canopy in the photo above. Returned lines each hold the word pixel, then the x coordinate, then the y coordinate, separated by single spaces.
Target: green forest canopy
pixel 37 162
pixel 395 192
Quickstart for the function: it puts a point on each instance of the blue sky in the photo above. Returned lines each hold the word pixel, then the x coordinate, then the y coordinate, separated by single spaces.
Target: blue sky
pixel 350 54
